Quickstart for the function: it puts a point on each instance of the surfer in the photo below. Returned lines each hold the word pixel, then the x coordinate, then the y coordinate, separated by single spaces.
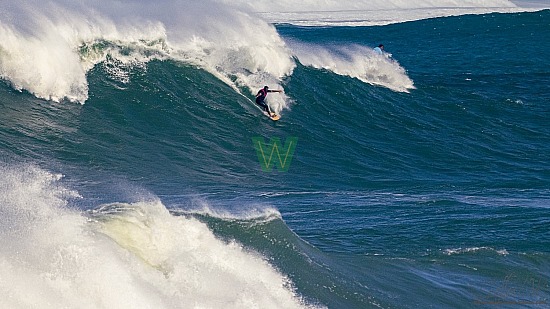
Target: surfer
pixel 379 49
pixel 260 97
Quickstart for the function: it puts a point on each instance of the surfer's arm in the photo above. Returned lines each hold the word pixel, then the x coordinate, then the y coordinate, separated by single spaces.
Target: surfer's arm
pixel 274 91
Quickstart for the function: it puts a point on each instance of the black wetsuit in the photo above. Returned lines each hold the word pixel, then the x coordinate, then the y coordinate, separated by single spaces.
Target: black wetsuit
pixel 260 99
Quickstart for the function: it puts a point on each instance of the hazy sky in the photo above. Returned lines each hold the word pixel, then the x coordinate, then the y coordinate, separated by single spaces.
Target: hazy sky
pixel 337 5
pixel 528 3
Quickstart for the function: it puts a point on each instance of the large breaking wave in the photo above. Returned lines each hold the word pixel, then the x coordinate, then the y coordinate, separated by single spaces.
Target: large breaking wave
pixel 47 48
pixel 120 255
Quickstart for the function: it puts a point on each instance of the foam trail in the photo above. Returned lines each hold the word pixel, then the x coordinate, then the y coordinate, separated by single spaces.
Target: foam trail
pixel 48 47
pixel 355 61
pixel 120 255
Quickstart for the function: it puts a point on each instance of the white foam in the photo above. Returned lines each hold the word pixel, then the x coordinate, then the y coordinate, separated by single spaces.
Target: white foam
pixel 455 251
pixel 355 61
pixel 120 256
pixel 48 47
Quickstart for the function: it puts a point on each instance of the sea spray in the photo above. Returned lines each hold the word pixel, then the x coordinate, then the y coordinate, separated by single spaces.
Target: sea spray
pixel 45 50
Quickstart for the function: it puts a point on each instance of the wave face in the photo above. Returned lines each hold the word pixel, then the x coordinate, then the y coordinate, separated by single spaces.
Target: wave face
pixel 420 177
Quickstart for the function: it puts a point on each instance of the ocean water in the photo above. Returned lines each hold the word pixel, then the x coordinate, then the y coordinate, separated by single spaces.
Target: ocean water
pixel 130 179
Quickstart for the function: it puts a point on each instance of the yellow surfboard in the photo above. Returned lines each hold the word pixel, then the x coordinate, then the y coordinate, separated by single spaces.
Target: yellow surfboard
pixel 273 116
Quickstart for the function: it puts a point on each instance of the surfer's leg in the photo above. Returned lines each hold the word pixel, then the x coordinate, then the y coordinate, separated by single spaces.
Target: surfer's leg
pixel 267 109
pixel 263 105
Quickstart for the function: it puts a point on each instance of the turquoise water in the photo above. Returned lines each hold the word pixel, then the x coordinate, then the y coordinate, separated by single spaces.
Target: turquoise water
pixel 437 196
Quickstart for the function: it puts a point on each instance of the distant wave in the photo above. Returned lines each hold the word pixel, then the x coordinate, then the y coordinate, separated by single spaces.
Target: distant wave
pixel 377 17
pixel 368 12
pixel 349 5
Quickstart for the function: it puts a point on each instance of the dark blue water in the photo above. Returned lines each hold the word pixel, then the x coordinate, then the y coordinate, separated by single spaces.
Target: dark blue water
pixel 439 197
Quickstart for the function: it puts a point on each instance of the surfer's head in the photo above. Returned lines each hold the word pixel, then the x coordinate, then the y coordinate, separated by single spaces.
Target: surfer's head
pixel 381 46
pixel 266 87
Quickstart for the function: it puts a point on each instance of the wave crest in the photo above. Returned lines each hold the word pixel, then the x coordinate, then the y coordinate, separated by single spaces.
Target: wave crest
pixel 47 48
pixel 355 61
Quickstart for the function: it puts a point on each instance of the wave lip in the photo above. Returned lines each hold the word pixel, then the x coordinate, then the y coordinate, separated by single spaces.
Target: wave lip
pixel 355 61
pixel 257 215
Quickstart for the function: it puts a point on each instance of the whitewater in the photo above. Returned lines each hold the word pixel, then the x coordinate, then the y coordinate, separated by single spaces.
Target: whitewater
pixel 120 255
